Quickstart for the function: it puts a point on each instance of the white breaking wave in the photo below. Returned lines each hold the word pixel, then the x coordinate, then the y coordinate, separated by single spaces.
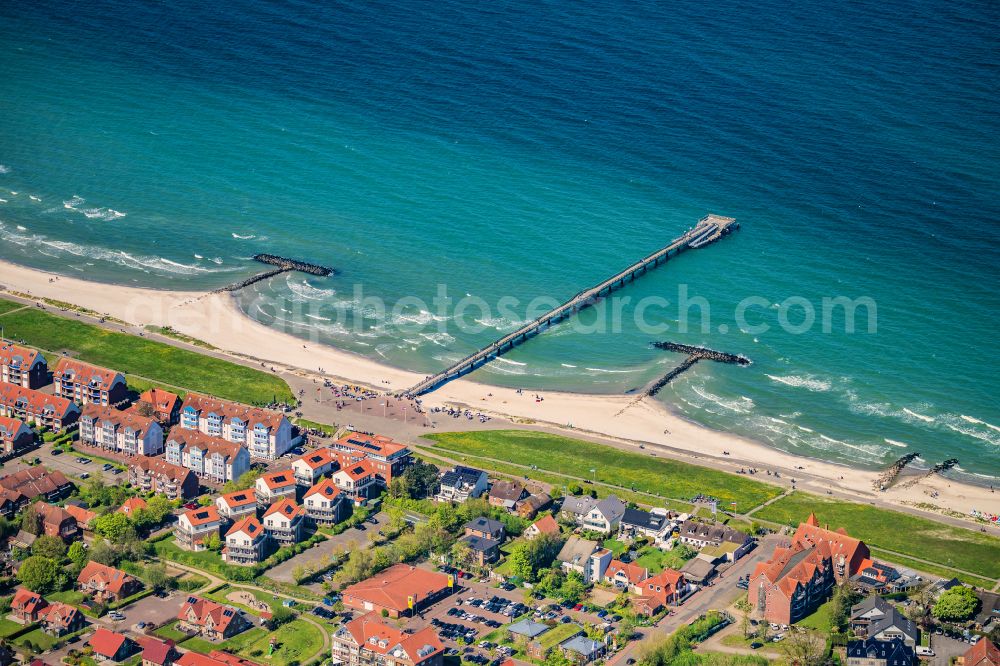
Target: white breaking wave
pixel 610 372
pixel 4 169
pixel 972 419
pixel 311 316
pixel 106 214
pixel 807 382
pixel 895 443
pixel 247 237
pixel 500 323
pixel 741 405
pixel 198 256
pixel 307 291
pixel 501 359
pixel 922 417
pixel 34 198
pixel 567 365
pixel 71 204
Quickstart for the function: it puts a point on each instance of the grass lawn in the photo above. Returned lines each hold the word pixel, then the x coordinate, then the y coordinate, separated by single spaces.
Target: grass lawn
pixel 131 354
pixel 615 546
pixel 657 560
pixel 205 559
pixel 38 638
pixel 950 546
pixel 71 597
pixel 8 627
pixel 323 427
pixel 670 479
pixel 819 619
pixel 297 641
pixel 170 630
pixel 943 572
pixel 7 306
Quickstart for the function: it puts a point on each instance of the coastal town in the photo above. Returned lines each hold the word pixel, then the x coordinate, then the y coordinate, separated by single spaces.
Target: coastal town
pixel 165 527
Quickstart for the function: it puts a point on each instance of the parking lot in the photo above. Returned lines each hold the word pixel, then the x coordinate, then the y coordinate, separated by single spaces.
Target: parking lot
pixel 66 463
pixel 344 540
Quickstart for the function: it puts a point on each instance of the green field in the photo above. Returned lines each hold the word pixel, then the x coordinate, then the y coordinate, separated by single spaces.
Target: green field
pixel 155 361
pixel 670 479
pixel 298 641
pixel 926 539
pixel 7 306
pixel 657 560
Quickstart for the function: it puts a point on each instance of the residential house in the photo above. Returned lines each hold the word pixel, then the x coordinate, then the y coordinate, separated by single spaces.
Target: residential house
pixel 211 458
pixel 284 521
pixel 386 457
pixel 592 514
pixel 800 574
pixel 585 557
pixel 575 508
pixel 325 504
pixel 461 484
pixel 265 434
pixel 274 486
pixel 659 591
pixel 636 523
pixel 237 504
pixel 625 575
pixel 895 625
pixel 131 506
pixel 699 569
pixel 582 650
pixel 36 407
pixel 877 578
pixel 483 550
pixel 22 366
pixel 84 516
pixel 872 609
pixel 126 432
pixel 156 652
pixel 56 521
pixel 529 507
pixel 160 476
pixel 989 610
pixel 400 590
pixel 358 481
pixel 111 646
pixel 367 641
pixel 506 494
pixel 60 619
pixel 983 653
pixel 873 652
pixel 544 525
pixel 196 525
pixel 27 484
pixel 486 528
pixel 246 542
pixel 312 466
pixel 26 606
pixel 701 535
pixel 15 436
pixel 162 405
pixel 106 584
pixel 84 383
pixel 213 621
pixel 526 629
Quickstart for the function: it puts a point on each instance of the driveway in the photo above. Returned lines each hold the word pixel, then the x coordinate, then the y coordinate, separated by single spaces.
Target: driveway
pixel 65 463
pixel 283 572
pixel 945 648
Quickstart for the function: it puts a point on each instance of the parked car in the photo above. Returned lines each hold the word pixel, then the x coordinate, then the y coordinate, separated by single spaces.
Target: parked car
pixel 84 475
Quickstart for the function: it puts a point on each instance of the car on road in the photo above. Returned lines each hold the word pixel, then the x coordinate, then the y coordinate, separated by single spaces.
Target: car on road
pixel 756 645
pixel 84 475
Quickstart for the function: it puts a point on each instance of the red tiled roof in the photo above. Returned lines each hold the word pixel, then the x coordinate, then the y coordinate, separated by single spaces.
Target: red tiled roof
pixel 162 467
pixel 155 650
pixel 230 410
pixel 60 614
pixel 106 643
pixel 392 587
pixel 983 653
pixel 368 631
pixel 547 525
pixel 216 658
pixel 122 419
pixel 634 574
pixel 78 371
pixel 221 614
pixel 250 525
pixel 358 471
pixel 34 481
pixel 280 479
pixel 285 507
pixel 202 515
pixel 239 498
pixel 10 352
pixel 378 445
pixel 315 459
pixel 83 516
pixel 208 443
pixel 27 601
pixel 52 517
pixel 35 402
pixel 131 505
pixel 162 401
pixel 327 488
pixel 112 579
pixel 10 426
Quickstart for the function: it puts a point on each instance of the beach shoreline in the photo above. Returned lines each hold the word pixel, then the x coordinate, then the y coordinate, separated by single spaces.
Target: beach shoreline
pixel 215 319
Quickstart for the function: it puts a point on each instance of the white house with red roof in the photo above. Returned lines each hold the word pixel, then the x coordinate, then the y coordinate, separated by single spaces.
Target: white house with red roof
pixel 274 486
pixel 213 458
pixel 284 521
pixel 312 466
pixel 237 504
pixel 325 504
pixel 196 525
pixel 246 542
pixel 368 641
pixel 357 480
pixel 388 458
pixel 266 434
pixel 544 525
pixel 84 383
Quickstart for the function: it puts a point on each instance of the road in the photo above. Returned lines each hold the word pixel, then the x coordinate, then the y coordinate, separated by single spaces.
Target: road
pixel 345 541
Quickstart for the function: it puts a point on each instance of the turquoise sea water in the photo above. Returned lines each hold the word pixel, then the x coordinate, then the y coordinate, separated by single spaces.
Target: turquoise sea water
pixel 528 150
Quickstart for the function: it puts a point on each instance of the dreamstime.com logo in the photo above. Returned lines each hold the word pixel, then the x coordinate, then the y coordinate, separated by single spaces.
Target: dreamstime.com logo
pixel 651 315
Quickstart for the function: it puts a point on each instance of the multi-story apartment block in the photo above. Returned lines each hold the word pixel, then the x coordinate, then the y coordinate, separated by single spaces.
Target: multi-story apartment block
pixel 84 383
pixel 212 458
pixel 159 476
pixel 357 480
pixel 36 407
pixel 246 542
pixel 22 366
pixel 366 641
pixel 284 521
pixel 122 432
pixel 325 504
pixel 265 434
pixel 313 466
pixel 386 457
pixel 15 436
pixel 237 504
pixel 196 525
pixel 274 486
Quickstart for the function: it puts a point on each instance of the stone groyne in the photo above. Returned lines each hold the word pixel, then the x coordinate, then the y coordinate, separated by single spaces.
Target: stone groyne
pixel 695 354
pixel 888 477
pixel 294 265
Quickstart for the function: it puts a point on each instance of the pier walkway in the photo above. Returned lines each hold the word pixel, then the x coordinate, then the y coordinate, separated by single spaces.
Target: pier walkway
pixel 708 230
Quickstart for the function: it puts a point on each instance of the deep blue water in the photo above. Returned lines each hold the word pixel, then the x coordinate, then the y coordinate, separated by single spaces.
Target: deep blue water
pixel 528 150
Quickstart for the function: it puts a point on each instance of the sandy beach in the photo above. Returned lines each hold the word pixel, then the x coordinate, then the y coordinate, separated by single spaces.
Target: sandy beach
pixel 215 319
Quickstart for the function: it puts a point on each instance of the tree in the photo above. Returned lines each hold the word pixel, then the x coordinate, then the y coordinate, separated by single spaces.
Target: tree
pixel 78 554
pixel 247 479
pixel 957 604
pixel 212 542
pixel 519 561
pixel 280 615
pixel 143 408
pixel 157 577
pixel 51 547
pixel 101 551
pixel 574 589
pixel 115 527
pixel 575 489
pixel 840 608
pixel 32 521
pixel 805 648
pixel 38 574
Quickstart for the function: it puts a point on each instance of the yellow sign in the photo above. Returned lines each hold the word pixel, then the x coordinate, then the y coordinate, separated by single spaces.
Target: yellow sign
pixel 451 580
pixel 410 602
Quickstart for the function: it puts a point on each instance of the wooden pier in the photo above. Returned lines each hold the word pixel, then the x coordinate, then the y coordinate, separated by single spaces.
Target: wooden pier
pixel 708 230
